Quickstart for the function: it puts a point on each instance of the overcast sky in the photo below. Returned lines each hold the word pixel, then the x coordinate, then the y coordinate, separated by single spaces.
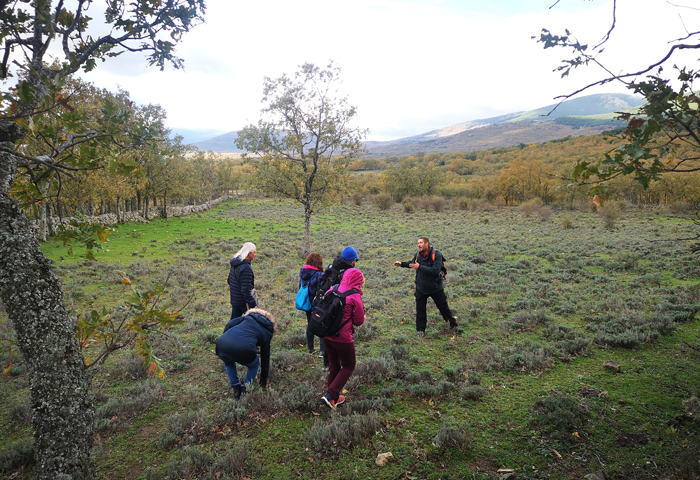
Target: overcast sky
pixel 409 66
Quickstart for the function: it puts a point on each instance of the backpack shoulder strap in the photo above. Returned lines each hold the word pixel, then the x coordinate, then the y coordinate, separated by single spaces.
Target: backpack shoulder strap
pixel 345 293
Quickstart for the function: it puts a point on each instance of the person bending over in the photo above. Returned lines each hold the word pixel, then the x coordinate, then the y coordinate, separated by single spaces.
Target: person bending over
pixel 239 345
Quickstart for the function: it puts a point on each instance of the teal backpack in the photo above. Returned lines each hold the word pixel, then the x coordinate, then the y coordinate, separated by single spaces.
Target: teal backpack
pixel 302 301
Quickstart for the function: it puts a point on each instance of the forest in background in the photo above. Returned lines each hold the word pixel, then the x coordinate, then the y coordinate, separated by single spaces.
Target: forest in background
pixel 515 175
pixel 501 176
pixel 150 170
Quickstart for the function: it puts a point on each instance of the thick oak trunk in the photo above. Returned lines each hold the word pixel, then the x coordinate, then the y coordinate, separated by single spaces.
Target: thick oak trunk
pixel 31 293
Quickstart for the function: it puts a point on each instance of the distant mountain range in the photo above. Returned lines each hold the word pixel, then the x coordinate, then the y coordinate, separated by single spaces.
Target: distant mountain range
pixel 588 115
pixel 191 136
pixel 225 143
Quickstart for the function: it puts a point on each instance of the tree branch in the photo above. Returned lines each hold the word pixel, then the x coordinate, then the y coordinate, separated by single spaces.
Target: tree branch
pixel 612 27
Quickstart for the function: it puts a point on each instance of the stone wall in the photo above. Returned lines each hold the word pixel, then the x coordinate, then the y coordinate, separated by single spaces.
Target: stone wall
pixel 153 212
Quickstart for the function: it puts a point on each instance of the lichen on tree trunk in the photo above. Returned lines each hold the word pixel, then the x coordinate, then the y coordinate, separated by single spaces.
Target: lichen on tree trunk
pixel 62 410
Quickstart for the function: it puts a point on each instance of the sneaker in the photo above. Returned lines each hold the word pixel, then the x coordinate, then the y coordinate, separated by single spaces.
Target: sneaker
pixel 420 333
pixel 320 354
pixel 341 399
pixel 311 352
pixel 329 401
pixel 456 329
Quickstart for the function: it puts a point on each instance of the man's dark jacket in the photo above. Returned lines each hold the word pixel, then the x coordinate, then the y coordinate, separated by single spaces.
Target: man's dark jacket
pixel 428 278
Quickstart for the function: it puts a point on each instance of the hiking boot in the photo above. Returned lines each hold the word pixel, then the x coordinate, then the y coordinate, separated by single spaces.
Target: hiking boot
pixel 329 401
pixel 237 391
pixel 341 399
pixel 455 329
pixel 420 333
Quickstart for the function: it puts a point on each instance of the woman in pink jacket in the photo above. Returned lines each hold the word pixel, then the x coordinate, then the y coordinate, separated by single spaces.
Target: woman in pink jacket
pixel 341 349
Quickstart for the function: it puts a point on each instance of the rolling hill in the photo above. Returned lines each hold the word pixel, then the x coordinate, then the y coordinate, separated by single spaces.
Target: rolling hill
pixel 588 115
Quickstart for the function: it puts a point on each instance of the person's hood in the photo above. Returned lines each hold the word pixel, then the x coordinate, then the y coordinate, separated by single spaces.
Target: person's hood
pixel 352 278
pixel 341 264
pixel 308 272
pixel 235 261
pixel 259 312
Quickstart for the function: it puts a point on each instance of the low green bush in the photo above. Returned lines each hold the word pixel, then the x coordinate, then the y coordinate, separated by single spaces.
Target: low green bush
pixel 17 455
pixel 373 370
pixel 528 355
pixel 342 432
pixel 472 392
pixel 559 416
pixel 452 434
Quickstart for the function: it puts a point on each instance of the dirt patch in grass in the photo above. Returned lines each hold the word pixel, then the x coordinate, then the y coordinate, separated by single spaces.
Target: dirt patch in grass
pixel 631 439
pixel 484 465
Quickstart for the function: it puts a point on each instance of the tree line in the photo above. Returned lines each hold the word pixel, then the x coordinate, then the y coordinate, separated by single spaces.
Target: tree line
pixel 514 175
pixel 155 171
pixel 166 172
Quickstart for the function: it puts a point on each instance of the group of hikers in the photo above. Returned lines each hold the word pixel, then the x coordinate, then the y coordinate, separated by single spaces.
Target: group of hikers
pixel 247 335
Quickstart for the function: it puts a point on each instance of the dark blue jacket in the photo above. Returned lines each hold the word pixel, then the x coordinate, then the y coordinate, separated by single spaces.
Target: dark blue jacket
pixel 241 282
pixel 311 275
pixel 428 278
pixel 242 336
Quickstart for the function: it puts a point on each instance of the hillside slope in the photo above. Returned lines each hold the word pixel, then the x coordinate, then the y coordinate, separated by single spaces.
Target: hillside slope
pixel 487 137
pixel 587 115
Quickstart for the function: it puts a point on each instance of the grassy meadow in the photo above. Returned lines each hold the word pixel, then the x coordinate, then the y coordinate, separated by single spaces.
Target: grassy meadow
pixel 544 302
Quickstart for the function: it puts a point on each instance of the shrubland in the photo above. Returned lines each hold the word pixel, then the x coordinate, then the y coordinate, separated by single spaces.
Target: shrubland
pixel 544 301
pixel 516 175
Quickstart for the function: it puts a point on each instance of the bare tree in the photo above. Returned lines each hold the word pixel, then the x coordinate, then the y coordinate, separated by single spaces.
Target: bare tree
pixel 304 139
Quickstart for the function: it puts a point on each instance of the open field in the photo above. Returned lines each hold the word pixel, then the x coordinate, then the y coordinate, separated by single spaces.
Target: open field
pixel 543 305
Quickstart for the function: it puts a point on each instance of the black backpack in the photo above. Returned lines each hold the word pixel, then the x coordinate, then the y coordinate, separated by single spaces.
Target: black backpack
pixel 327 315
pixel 331 276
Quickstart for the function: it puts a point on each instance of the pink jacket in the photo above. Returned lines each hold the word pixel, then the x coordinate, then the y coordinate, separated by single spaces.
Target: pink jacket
pixel 354 308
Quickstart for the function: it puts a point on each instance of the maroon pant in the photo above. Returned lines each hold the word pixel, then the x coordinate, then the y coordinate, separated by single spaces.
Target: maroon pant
pixel 341 364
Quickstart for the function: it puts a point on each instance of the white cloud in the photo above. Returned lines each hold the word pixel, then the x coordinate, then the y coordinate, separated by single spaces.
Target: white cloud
pixel 409 66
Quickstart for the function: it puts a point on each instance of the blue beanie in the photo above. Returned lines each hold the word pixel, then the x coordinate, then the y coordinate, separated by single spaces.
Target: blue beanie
pixel 349 254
